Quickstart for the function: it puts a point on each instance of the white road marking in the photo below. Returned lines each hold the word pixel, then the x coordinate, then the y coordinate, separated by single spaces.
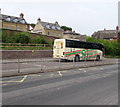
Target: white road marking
pixel 20 81
pixel 59 72
pixel 24 78
pixel 80 69
pixel 85 71
pixel 101 68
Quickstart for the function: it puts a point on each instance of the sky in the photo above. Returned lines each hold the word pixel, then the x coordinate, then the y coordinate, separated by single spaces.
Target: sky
pixel 83 16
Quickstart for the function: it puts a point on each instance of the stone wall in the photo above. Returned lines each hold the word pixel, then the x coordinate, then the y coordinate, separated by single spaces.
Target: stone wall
pixel 13 54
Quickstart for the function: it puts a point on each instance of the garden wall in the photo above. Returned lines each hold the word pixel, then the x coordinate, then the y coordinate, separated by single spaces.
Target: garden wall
pixel 13 54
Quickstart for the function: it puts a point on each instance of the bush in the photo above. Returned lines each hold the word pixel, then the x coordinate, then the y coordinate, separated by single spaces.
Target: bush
pixel 40 40
pixel 112 48
pixel 22 37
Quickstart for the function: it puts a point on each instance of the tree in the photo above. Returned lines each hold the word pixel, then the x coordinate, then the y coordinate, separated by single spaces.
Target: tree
pixel 40 40
pixel 32 25
pixel 111 47
pixel 22 37
pixel 66 28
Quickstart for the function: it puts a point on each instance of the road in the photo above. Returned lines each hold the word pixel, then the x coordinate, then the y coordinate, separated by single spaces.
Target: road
pixel 84 86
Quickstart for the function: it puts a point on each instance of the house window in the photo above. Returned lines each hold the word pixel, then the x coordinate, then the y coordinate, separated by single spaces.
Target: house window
pixel 58 28
pixel 8 19
pixel 16 28
pixel 53 27
pixel 59 35
pixel 22 21
pixel 48 26
pixel 9 27
pixel 15 20
pixel 23 29
pixel 48 33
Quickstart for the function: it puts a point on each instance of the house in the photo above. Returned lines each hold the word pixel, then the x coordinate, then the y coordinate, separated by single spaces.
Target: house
pixel 49 29
pixel 13 22
pixel 106 34
pixel 73 35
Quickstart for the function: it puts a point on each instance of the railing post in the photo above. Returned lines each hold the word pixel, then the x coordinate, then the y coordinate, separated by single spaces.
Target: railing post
pixel 18 65
pixel 95 61
pixel 73 62
pixel 59 63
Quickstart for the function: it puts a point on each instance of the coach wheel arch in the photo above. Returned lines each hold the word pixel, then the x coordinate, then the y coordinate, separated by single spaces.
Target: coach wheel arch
pixel 77 58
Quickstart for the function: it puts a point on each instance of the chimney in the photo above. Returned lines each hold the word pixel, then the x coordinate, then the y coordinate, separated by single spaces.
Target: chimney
pixel 22 15
pixel 38 20
pixel 0 10
pixel 56 23
pixel 104 29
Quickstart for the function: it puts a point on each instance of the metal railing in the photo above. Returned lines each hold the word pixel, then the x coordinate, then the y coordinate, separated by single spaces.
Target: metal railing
pixel 25 45
pixel 37 65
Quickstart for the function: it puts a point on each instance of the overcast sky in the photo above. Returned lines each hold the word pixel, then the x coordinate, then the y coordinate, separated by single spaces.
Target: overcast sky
pixel 84 16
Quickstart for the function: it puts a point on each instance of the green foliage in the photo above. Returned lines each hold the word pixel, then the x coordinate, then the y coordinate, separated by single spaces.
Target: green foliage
pixel 4 38
pixel 8 38
pixel 11 38
pixel 40 40
pixel 66 28
pixel 22 37
pixel 112 48
pixel 33 25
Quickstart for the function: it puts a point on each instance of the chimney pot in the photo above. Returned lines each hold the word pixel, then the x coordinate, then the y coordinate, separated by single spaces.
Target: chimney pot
pixel 56 23
pixel 38 20
pixel 22 15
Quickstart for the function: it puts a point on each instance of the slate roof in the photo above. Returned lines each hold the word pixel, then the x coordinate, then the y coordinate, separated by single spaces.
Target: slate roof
pixel 53 26
pixel 12 19
pixel 71 32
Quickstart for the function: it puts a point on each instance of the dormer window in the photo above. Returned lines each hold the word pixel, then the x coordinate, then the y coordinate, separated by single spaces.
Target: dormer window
pixel 15 20
pixel 53 27
pixel 22 21
pixel 8 19
pixel 58 28
pixel 48 26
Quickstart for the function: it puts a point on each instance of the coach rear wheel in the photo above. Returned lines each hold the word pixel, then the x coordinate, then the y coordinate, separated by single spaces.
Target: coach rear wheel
pixel 77 58
pixel 97 58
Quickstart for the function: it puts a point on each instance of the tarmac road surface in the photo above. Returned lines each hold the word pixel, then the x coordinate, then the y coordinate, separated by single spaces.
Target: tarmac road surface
pixel 84 86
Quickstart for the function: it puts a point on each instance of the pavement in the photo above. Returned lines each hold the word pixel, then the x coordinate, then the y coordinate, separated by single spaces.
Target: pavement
pixel 96 85
pixel 17 67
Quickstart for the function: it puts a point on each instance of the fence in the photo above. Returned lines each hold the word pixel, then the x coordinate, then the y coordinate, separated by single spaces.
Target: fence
pixel 25 45
pixel 37 65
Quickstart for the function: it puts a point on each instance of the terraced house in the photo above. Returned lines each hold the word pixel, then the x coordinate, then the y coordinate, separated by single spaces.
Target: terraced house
pixel 49 29
pixel 13 22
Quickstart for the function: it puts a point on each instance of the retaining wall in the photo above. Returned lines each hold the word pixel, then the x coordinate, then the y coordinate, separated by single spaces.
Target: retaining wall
pixel 13 54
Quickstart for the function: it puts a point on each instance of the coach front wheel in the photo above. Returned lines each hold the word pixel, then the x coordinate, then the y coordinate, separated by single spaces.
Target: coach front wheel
pixel 77 58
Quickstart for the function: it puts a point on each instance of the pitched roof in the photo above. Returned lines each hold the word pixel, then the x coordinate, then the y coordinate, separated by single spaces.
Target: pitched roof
pixel 51 26
pixel 107 31
pixel 71 32
pixel 12 19
pixel 105 34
